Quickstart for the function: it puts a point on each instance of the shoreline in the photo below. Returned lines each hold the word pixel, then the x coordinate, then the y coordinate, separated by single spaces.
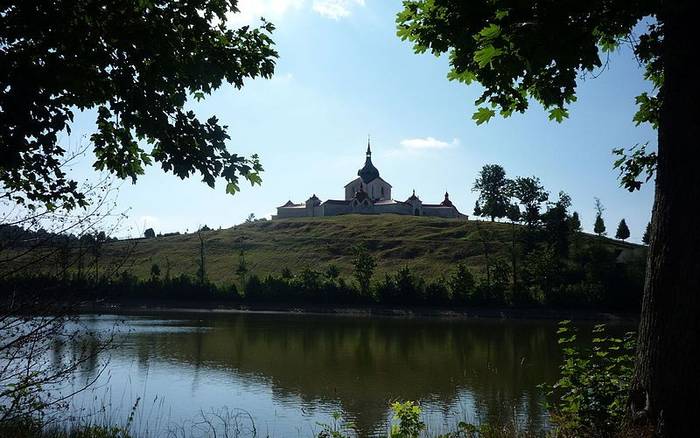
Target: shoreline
pixel 363 311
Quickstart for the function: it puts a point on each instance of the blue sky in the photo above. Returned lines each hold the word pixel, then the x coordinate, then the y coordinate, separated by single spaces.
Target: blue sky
pixel 343 74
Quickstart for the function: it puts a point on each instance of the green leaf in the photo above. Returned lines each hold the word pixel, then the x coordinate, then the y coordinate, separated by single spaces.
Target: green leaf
pixel 501 14
pixel 558 114
pixel 466 77
pixel 490 32
pixel 232 188
pixel 484 56
pixel 483 115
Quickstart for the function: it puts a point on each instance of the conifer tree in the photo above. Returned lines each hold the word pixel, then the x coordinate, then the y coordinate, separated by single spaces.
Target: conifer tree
pixel 623 231
pixel 599 227
pixel 646 237
pixel 575 223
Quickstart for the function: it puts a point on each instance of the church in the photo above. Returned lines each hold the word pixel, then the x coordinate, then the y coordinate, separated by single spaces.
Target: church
pixel 368 194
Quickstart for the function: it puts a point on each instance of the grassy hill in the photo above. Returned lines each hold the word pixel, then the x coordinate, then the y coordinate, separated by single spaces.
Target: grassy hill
pixel 429 246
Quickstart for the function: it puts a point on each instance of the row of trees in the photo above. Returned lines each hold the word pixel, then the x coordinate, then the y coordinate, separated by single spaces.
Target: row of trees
pixel 522 199
pixel 589 278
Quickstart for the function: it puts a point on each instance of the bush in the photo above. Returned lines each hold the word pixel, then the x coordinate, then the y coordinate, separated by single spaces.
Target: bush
pixel 406 422
pixel 590 397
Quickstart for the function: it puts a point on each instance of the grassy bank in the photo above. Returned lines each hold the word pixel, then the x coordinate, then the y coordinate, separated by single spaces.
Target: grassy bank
pixel 429 246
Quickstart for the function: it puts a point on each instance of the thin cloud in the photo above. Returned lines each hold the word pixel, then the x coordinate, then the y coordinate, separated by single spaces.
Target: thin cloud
pixel 414 146
pixel 427 143
pixel 251 10
pixel 335 9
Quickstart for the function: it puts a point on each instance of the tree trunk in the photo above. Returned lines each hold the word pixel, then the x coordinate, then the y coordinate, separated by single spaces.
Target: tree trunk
pixel 666 383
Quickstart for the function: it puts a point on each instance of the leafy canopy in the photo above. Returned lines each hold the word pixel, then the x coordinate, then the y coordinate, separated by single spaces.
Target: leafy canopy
pixel 494 191
pixel 135 63
pixel 522 50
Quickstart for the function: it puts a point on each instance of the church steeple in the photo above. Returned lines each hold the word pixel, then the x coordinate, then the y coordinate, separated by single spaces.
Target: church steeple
pixel 368 173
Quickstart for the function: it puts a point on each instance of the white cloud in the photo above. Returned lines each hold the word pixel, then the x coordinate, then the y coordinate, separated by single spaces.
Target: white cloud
pixel 417 144
pixel 275 10
pixel 335 9
pixel 252 10
pixel 282 78
pixel 413 146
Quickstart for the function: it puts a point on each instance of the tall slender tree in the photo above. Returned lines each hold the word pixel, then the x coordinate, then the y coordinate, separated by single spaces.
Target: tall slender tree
pixel 575 223
pixel 646 237
pixel 599 225
pixel 522 52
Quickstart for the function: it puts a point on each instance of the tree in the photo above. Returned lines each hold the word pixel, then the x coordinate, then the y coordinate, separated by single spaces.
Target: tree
pixel 513 214
pixel 599 225
pixel 35 316
pixel 556 224
pixel 623 231
pixel 149 234
pixel 461 284
pixel 646 237
pixel 493 188
pixel 242 270
pixel 519 51
pixel 531 194
pixel 137 64
pixel 250 219
pixel 575 223
pixel 364 265
pixel 155 272
pixel 477 209
pixel 201 263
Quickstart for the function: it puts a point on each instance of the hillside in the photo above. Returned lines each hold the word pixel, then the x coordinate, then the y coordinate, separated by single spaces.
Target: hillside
pixel 429 246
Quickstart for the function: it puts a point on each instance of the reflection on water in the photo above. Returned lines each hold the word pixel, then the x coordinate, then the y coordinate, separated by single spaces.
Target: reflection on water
pixel 291 371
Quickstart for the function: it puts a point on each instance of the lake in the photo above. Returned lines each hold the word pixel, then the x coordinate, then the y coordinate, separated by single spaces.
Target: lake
pixel 285 373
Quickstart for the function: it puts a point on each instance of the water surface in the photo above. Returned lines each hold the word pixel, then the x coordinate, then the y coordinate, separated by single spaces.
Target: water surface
pixel 289 372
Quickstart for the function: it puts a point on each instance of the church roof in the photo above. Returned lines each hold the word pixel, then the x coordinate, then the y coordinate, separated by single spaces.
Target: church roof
pixel 378 178
pixel 388 202
pixel 446 202
pixel 413 197
pixel 287 204
pixel 368 173
pixel 337 202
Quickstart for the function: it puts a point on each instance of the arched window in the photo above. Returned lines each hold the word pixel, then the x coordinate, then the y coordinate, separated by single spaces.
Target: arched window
pixel 416 212
pixel 382 191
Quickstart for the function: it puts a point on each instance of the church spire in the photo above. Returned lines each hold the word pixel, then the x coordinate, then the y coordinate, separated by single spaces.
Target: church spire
pixel 368 173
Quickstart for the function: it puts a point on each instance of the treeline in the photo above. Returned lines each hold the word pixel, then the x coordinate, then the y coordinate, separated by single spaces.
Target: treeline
pixel 592 279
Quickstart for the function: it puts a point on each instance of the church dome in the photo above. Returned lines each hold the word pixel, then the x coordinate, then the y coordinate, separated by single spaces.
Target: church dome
pixel 368 173
pixel 446 202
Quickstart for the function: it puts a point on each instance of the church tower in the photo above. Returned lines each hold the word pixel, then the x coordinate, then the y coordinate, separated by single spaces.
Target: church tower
pixel 369 181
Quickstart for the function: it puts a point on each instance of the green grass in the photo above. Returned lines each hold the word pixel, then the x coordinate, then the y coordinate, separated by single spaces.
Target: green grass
pixel 429 246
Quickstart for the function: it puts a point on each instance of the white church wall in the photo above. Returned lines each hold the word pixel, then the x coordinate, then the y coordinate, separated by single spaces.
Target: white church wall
pixel 447 212
pixel 352 188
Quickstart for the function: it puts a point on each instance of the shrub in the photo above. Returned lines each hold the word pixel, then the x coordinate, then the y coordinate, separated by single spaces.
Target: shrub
pixel 406 422
pixel 590 397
